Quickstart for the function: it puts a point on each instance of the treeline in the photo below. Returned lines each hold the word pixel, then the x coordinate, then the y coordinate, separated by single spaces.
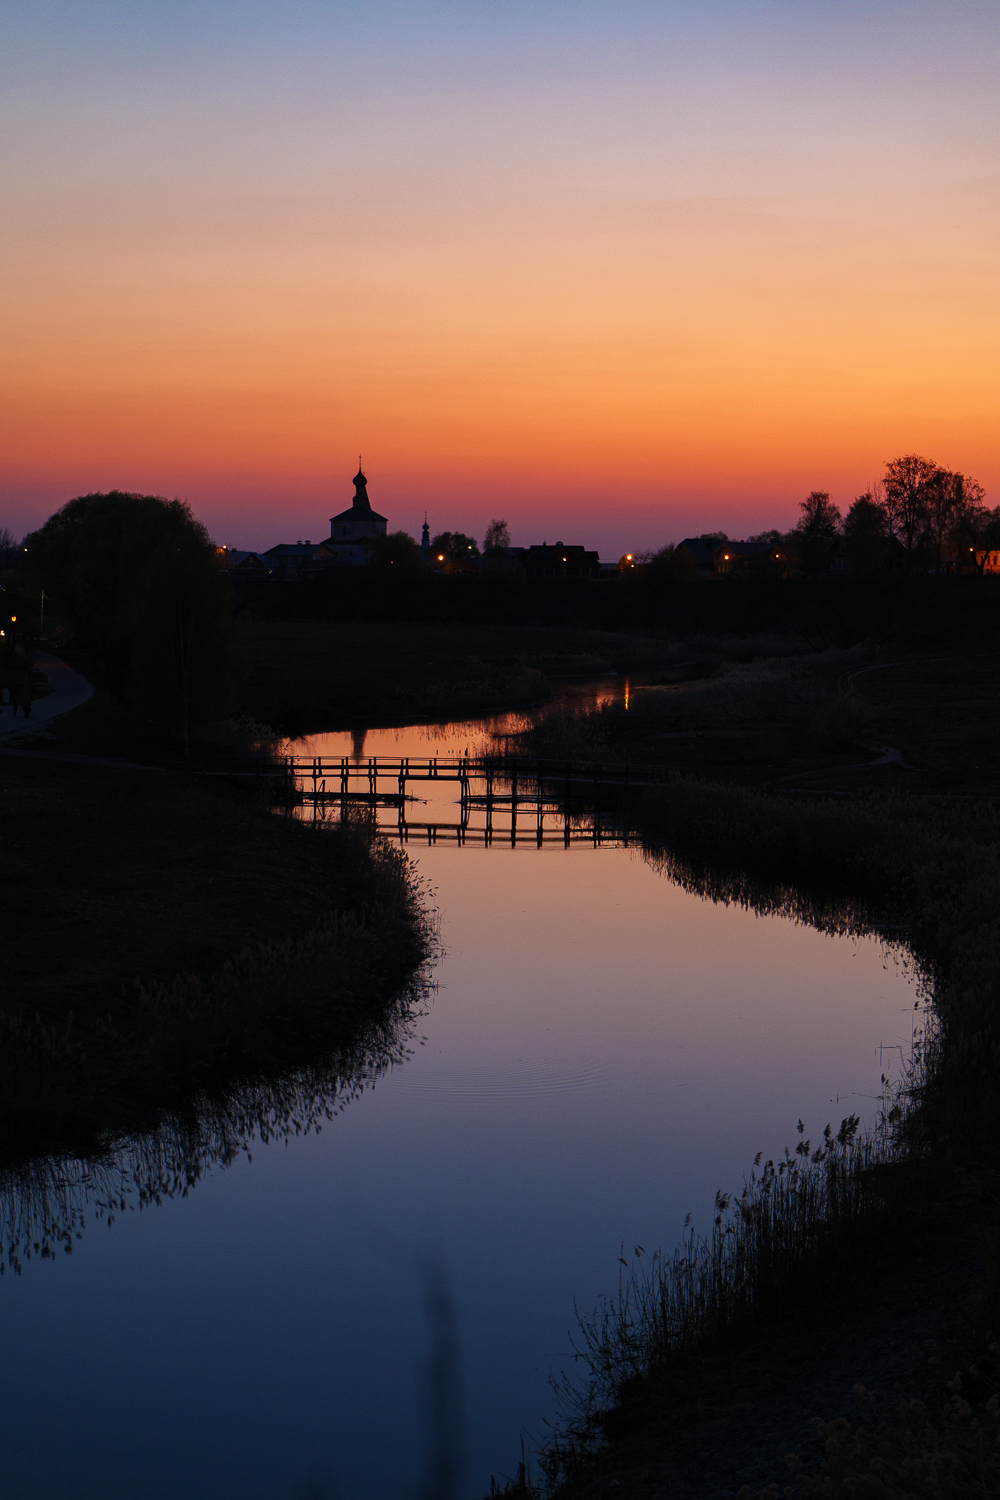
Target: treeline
pixel 136 581
pixel 918 518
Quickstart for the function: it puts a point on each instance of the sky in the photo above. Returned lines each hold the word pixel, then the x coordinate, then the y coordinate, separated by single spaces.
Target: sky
pixel 616 272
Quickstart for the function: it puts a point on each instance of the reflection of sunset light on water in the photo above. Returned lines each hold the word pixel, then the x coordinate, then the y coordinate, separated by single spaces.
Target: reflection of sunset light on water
pixel 601 1050
pixel 472 735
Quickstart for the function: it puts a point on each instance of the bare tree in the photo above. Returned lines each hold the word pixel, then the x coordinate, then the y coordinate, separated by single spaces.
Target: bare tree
pixel 945 500
pixel 973 528
pixel 907 487
pixel 817 528
pixel 866 532
pixel 497 537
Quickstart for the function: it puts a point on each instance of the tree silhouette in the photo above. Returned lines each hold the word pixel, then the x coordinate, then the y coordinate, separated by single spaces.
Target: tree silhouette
pixel 817 528
pixel 497 538
pixel 907 485
pixel 455 548
pixel 866 535
pixel 138 579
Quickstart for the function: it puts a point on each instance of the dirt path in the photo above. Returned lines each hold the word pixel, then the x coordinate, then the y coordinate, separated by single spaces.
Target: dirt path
pixel 69 690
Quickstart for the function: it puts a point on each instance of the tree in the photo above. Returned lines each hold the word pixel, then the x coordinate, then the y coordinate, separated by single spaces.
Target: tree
pixel 866 535
pixel 497 538
pixel 668 567
pixel 817 528
pixel 14 610
pixel 944 499
pixel 974 529
pixel 906 486
pixel 138 579
pixel 455 549
pixel 397 551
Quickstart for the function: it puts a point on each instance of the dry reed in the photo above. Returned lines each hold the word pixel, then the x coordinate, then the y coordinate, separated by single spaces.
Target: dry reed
pixel 888 864
pixel 274 1005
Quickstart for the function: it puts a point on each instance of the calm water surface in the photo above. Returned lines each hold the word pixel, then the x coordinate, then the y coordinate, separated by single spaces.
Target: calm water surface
pixel 601 1053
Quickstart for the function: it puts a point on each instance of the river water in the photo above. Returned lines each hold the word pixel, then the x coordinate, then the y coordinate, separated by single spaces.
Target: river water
pixel 598 1051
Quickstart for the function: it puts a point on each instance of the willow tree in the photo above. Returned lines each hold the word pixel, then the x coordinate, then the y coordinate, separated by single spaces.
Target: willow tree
pixel 137 579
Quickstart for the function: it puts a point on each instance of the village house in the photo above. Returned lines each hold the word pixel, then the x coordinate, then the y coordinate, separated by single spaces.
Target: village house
pixel 746 557
pixel 558 561
pixel 701 550
pixel 235 560
pixel 289 560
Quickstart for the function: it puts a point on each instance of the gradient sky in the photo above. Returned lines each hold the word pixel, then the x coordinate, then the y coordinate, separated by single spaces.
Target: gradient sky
pixel 616 271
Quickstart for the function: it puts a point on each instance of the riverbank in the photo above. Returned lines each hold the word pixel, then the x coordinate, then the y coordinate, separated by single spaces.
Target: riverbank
pixel 166 935
pixel 305 676
pixel 840 833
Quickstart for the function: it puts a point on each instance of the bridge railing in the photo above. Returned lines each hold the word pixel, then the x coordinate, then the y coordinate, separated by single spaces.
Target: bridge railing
pixel 466 768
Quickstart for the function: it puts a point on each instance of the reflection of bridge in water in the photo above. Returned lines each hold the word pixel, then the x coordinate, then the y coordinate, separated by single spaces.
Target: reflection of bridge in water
pixel 496 803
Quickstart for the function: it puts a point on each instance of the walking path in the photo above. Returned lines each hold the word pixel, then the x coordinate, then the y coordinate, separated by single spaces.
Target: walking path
pixel 69 690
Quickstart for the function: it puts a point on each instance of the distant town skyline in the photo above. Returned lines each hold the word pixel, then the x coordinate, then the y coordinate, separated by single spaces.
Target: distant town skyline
pixel 617 273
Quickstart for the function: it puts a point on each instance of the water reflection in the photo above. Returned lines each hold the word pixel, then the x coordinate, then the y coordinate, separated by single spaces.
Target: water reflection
pixel 46 1202
pixel 615 1034
pixel 454 737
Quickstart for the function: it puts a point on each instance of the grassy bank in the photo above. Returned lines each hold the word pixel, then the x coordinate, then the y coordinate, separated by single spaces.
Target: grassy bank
pixel 813 721
pixel 168 935
pixel 304 676
pixel 47 1201
pixel 666 1363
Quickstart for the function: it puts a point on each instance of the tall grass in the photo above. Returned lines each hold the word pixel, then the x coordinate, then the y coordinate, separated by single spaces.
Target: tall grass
pixel 794 1226
pixel 46 1201
pixel 891 864
pixel 768 1243
pixel 274 1005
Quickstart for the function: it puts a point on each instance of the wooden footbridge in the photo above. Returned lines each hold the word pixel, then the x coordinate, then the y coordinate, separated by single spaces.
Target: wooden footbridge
pixel 540 802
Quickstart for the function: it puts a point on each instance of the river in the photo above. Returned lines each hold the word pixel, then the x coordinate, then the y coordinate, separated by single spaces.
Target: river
pixel 596 1052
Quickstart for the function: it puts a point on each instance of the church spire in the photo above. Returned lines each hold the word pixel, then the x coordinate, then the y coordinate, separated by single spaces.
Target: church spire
pixel 361 500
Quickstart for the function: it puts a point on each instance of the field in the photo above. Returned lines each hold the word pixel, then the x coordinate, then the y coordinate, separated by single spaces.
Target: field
pixel 305 676
pixel 840 722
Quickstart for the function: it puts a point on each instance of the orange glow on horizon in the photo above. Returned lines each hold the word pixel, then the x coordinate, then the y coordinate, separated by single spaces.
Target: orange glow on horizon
pixel 725 378
pixel 686 276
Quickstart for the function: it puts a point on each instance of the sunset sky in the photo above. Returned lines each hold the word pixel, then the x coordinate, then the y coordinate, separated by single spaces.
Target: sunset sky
pixel 615 271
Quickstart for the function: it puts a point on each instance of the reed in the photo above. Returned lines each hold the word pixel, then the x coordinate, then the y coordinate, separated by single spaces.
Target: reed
pixel 69 1083
pixel 923 868
pixel 46 1201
